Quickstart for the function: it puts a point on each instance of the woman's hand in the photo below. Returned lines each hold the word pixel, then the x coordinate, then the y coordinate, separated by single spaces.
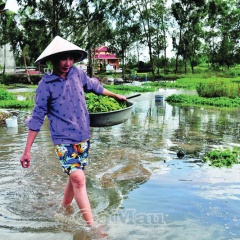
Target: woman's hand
pixel 113 95
pixel 120 97
pixel 25 160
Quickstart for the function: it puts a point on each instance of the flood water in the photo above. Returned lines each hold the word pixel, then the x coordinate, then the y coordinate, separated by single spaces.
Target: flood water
pixel 138 187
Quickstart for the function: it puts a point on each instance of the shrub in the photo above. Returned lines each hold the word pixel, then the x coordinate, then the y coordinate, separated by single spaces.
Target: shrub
pixel 19 79
pixel 5 95
pixel 217 89
pixel 16 104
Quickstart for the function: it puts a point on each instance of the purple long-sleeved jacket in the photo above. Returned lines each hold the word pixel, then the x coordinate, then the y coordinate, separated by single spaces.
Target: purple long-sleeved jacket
pixel 63 101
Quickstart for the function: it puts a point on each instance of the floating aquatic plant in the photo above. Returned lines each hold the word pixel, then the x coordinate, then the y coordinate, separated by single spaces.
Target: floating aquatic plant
pixel 222 158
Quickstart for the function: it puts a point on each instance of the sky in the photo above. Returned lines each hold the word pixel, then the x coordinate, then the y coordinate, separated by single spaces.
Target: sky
pixel 12 5
pixel 145 53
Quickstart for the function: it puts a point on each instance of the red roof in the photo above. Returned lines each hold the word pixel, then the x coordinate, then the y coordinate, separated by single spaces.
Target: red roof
pixel 101 49
pixel 105 56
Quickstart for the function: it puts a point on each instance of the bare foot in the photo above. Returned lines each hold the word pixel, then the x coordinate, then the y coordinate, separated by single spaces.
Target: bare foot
pixel 81 236
pixel 68 209
pixel 98 231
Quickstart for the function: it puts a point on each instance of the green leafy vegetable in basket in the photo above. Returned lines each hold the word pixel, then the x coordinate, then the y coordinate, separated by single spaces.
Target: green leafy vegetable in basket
pixel 101 103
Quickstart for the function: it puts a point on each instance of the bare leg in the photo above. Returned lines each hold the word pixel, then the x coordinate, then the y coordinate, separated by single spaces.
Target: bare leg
pixel 78 183
pixel 68 194
pixel 76 186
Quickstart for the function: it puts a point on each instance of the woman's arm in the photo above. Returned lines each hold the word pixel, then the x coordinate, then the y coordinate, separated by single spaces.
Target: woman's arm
pixel 113 95
pixel 25 159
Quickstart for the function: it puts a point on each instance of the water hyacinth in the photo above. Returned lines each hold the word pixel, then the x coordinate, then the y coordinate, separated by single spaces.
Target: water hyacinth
pixel 190 100
pixel 222 158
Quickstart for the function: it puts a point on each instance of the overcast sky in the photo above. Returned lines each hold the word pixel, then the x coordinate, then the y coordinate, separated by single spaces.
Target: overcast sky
pixel 12 5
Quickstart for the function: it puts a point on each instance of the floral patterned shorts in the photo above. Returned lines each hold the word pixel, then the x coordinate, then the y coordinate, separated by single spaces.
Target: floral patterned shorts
pixel 73 156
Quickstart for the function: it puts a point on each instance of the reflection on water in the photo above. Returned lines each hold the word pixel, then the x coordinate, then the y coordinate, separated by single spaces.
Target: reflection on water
pixel 137 186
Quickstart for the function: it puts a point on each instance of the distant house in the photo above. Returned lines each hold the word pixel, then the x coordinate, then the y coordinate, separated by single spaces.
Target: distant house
pixel 104 57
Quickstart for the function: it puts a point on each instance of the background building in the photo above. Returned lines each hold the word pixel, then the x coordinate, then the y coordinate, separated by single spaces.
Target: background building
pixel 103 57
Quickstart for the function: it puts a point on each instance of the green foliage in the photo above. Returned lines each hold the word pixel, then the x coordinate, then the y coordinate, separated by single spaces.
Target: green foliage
pixel 188 15
pixel 9 79
pixel 187 83
pixel 101 103
pixel 9 100
pixel 16 104
pixel 5 79
pixel 201 82
pixel 128 88
pixel 190 100
pixel 195 20
pixel 5 95
pixel 222 158
pixel 217 89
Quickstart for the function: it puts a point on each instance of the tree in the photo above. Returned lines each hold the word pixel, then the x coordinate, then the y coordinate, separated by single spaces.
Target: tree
pixel 188 15
pixel 144 10
pixel 125 31
pixel 222 35
pixel 42 20
pixel 229 36
pixel 37 21
pixel 89 26
pixel 126 24
pixel 160 24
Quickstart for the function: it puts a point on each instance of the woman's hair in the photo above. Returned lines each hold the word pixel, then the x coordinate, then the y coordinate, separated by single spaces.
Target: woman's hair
pixel 56 57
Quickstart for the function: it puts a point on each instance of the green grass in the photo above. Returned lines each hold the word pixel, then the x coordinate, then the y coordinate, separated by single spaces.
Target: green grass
pixel 5 95
pixel 192 81
pixel 195 100
pixel 124 89
pixel 16 104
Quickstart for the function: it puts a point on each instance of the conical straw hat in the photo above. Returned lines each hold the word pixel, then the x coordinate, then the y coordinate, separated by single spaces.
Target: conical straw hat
pixel 60 45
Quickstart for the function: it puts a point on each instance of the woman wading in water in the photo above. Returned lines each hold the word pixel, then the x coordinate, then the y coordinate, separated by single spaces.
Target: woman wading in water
pixel 60 96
